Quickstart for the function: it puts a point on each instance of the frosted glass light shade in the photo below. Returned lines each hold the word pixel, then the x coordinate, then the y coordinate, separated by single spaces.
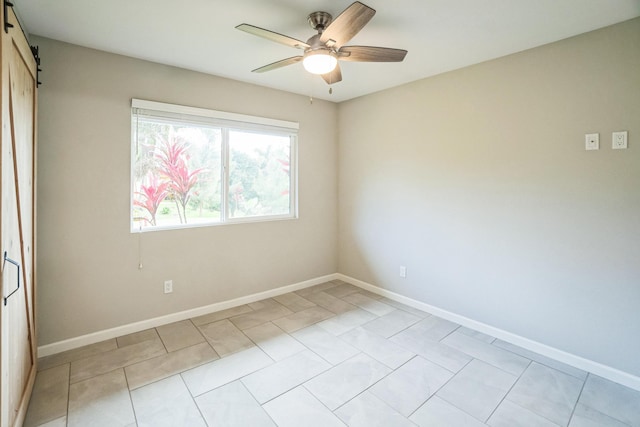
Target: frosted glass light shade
pixel 320 61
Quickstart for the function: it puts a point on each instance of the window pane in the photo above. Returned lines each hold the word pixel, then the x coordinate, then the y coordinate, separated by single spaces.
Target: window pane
pixel 194 166
pixel 259 174
pixel 176 174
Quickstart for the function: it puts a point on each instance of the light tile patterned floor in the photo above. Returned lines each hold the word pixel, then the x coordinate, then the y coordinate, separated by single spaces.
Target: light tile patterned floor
pixel 330 355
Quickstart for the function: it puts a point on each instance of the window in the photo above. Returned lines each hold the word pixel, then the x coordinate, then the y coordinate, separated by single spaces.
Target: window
pixel 193 167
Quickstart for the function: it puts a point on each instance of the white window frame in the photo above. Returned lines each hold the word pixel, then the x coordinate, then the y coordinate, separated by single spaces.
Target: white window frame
pixel 226 121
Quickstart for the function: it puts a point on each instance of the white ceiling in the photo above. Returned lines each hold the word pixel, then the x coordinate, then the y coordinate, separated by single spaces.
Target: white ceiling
pixel 440 35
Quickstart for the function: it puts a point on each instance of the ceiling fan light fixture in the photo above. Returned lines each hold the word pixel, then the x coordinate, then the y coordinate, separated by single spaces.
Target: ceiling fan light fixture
pixel 321 61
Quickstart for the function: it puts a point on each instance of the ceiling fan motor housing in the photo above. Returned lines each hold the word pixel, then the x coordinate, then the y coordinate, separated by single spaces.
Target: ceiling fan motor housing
pixel 319 20
pixel 319 58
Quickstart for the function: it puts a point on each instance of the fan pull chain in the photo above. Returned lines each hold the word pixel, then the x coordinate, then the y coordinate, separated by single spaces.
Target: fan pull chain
pixel 330 83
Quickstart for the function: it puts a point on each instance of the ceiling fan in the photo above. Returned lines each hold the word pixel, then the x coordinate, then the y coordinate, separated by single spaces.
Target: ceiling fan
pixel 323 50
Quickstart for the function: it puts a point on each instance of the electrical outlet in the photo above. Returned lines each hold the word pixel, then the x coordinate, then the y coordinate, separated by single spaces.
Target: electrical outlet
pixel 619 140
pixel 592 141
pixel 168 286
pixel 403 271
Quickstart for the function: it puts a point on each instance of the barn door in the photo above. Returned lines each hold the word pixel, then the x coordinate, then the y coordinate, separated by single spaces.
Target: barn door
pixel 17 223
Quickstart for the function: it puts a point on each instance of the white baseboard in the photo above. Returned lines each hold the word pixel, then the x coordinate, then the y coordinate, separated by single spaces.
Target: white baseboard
pixel 71 343
pixel 587 365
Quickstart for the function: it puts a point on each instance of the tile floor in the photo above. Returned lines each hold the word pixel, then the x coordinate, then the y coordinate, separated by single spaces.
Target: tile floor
pixel 330 355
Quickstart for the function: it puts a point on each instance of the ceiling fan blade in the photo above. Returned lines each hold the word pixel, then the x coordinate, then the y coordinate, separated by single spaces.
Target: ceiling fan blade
pixel 371 54
pixel 333 77
pixel 278 64
pixel 347 24
pixel 273 36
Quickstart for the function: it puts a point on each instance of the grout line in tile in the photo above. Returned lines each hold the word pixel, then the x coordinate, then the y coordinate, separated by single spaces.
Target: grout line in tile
pixel 399 332
pixel 489 363
pixel 161 340
pixel 509 391
pixel 78 359
pixel 314 396
pixel 462 410
pixel 299 385
pixel 177 373
pixel 542 363
pixel 367 390
pixel 189 390
pixel 197 329
pixel 135 415
pixel 257 345
pixel 440 341
pixel 192 398
pixel 331 364
pixel 584 383
pixel 443 385
pixel 329 409
pixel 372 385
pixel 66 423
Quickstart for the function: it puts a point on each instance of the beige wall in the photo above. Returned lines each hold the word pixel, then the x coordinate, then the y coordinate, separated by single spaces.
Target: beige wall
pixel 88 261
pixel 478 182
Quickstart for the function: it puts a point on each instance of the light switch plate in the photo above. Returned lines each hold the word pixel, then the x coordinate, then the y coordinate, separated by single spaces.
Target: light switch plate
pixel 619 140
pixel 592 141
